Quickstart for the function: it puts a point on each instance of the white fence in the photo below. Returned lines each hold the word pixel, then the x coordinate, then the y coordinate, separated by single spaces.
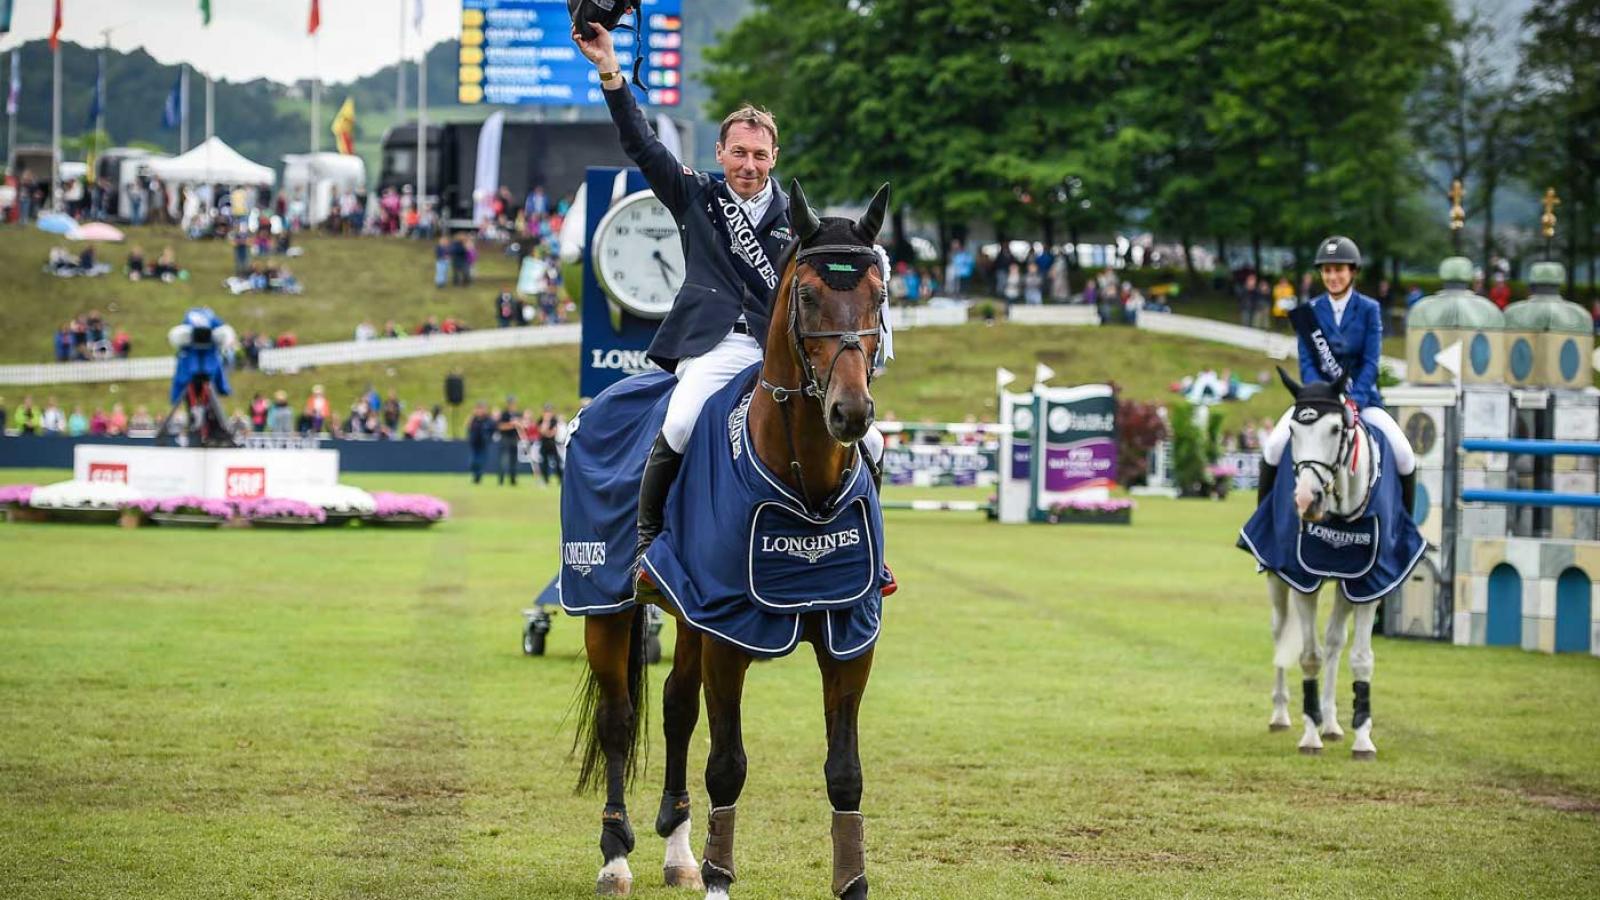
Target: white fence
pixel 290 359
pixel 1277 346
pixel 147 368
pixel 1061 314
pixel 922 316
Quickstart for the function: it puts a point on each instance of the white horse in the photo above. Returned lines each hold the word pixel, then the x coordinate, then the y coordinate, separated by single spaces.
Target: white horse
pixel 1335 467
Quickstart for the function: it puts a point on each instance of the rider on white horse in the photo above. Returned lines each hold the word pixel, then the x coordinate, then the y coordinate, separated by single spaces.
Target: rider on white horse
pixel 1341 336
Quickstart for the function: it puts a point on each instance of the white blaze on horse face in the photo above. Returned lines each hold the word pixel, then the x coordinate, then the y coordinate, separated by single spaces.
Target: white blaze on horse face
pixel 1317 440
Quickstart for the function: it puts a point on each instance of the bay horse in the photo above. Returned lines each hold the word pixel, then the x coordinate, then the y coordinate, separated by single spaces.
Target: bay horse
pixel 820 347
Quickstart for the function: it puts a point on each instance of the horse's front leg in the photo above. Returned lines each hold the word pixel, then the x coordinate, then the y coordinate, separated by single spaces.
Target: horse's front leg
pixel 843 684
pixel 1278 591
pixel 1361 664
pixel 680 713
pixel 1332 647
pixel 608 642
pixel 722 668
pixel 1305 613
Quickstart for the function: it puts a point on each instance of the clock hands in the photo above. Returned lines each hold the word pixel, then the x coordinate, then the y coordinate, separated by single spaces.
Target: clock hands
pixel 666 269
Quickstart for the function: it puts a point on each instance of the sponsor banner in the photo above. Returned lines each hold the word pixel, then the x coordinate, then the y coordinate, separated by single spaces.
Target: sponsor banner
pixel 221 474
pixel 1077 427
pixel 614 340
pixel 941 464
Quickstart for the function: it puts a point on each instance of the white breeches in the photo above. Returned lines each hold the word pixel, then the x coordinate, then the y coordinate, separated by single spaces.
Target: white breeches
pixel 701 376
pixel 1405 460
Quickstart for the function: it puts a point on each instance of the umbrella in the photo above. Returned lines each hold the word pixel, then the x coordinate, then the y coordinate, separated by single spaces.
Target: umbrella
pixel 95 231
pixel 57 223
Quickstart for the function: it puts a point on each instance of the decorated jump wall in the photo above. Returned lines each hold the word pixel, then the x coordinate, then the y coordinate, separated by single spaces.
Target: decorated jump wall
pixel 1506 426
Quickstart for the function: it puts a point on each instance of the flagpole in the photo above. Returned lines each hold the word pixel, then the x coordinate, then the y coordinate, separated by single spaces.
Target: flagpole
pixel 422 131
pixel 211 98
pixel 316 92
pixel 400 69
pixel 183 108
pixel 11 108
pixel 55 130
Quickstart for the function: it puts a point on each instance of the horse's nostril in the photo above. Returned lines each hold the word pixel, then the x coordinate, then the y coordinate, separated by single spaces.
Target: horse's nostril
pixel 836 417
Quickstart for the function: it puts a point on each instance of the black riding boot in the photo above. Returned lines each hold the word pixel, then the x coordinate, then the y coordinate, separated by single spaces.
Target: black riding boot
pixel 1408 492
pixel 660 470
pixel 1268 476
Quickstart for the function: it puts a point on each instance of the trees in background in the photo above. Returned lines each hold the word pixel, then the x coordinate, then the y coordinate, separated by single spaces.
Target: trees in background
pixel 1227 120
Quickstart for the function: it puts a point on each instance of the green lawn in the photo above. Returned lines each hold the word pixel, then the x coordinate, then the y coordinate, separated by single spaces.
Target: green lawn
pixel 1055 712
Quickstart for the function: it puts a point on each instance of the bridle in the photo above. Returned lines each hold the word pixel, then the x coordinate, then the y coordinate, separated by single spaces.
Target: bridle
pixel 1351 438
pixel 810 384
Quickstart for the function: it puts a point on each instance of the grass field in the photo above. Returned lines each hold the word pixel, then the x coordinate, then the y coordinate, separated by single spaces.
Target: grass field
pixel 315 714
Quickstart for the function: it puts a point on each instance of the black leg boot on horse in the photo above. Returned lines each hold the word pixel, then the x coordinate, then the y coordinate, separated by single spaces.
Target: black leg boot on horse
pixel 660 471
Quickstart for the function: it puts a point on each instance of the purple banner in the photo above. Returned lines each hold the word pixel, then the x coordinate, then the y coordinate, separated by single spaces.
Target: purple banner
pixel 1021 460
pixel 1090 463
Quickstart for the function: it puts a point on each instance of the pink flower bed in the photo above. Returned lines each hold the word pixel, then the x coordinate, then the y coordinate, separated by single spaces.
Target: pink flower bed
pixel 15 494
pixel 1098 506
pixel 277 508
pixel 203 506
pixel 422 506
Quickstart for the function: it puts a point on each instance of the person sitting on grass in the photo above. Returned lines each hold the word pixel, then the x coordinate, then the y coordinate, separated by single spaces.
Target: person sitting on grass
pixel 135 263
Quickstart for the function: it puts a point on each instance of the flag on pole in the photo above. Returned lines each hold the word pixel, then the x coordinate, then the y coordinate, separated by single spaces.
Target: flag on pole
pixel 5 16
pixel 205 12
pixel 1003 377
pixel 55 29
pixel 416 16
pixel 97 102
pixel 316 17
pixel 172 110
pixel 1042 373
pixel 14 96
pixel 344 127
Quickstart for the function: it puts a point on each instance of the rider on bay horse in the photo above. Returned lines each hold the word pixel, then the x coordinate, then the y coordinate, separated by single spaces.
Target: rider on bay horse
pixel 1341 336
pixel 733 232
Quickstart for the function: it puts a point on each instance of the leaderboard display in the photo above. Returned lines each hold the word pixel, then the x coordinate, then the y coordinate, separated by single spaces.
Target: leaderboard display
pixel 520 53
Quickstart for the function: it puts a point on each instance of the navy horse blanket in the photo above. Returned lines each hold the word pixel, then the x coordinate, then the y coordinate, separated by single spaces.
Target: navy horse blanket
pixel 1370 555
pixel 739 555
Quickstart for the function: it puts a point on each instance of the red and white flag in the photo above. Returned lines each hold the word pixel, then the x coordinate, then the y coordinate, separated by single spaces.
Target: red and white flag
pixel 316 17
pixel 55 29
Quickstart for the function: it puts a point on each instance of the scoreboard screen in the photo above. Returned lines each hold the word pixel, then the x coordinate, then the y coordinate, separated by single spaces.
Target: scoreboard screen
pixel 520 53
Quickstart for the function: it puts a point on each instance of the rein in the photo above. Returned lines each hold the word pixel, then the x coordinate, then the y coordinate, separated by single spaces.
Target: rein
pixel 1351 438
pixel 810 384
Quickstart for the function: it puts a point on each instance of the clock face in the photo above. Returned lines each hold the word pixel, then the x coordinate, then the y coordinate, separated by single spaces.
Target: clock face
pixel 637 256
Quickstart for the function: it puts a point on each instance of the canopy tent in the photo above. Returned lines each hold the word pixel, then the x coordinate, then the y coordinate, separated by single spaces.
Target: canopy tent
pixel 319 178
pixel 212 162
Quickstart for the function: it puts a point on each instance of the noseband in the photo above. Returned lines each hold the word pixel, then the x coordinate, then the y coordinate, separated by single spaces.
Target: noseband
pixel 810 385
pixel 1327 474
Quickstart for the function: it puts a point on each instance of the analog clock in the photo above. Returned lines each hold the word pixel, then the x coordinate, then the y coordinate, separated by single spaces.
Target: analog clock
pixel 637 255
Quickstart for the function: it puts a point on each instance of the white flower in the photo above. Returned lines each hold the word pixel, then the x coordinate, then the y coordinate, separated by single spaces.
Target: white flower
pixel 83 495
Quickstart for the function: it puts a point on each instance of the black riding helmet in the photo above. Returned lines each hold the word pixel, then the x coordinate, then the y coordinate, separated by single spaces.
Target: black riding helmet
pixel 1338 249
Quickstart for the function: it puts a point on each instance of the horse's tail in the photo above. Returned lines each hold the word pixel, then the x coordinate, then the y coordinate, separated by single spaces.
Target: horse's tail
pixel 588 707
pixel 1286 654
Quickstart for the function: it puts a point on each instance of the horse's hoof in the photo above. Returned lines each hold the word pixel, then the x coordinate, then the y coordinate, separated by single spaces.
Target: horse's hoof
pixel 1310 751
pixel 1364 755
pixel 683 877
pixel 609 885
pixel 1277 726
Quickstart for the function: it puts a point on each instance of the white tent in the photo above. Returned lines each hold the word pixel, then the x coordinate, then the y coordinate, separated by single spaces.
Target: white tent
pixel 212 162
pixel 318 178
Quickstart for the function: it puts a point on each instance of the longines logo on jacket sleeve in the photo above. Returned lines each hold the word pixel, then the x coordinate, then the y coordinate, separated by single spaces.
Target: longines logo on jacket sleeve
pixel 583 556
pixel 811 548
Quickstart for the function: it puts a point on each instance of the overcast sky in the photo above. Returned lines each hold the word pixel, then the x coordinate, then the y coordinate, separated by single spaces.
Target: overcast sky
pixel 248 39
pixel 251 39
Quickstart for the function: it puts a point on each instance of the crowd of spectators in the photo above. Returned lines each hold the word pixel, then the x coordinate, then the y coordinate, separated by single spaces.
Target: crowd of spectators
pixel 30 418
pixel 87 337
pixel 164 268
